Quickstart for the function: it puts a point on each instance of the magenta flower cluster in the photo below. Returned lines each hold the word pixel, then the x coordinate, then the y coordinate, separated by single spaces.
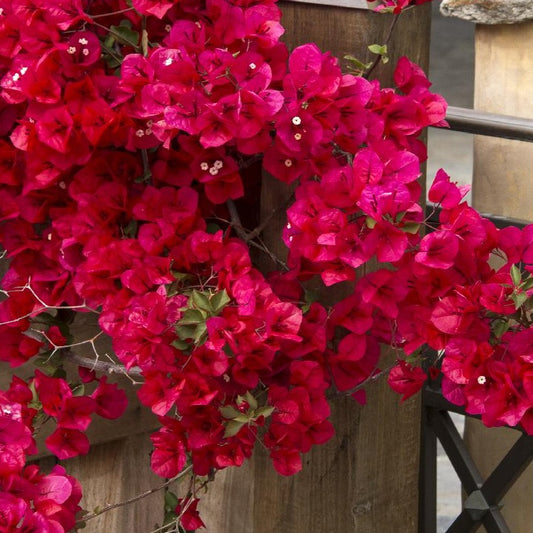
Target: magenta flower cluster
pixel 129 138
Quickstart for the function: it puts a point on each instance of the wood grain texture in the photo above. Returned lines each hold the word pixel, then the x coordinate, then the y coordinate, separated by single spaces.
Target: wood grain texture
pixel 503 182
pixel 115 472
pixel 503 185
pixel 349 31
pixel 365 479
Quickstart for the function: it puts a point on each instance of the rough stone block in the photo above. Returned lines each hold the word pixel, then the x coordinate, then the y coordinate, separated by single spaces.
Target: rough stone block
pixel 489 11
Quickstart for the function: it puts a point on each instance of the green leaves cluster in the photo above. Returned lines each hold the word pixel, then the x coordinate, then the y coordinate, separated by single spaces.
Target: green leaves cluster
pixel 358 67
pixel 520 286
pixel 200 306
pixel 237 419
pixel 523 303
pixel 123 35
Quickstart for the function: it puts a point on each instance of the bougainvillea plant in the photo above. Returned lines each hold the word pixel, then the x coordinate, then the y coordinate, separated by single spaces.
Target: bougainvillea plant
pixel 132 141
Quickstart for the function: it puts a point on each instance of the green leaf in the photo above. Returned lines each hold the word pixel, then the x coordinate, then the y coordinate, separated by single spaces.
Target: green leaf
pixel 212 228
pixel 78 389
pixel 181 344
pixel 180 276
pixel 130 230
pixel 232 428
pixel 200 333
pixel 516 275
pixel 413 359
pixel 311 296
pixel 370 222
pixel 219 300
pixel 229 412
pixel 47 318
pixel 192 317
pixel 501 327
pixel 356 64
pixel 242 418
pixel 519 298
pixel 379 49
pixel 200 300
pixel 265 411
pixel 171 500
pixel 527 284
pixel 252 402
pixel 185 332
pixel 125 34
pixel 59 373
pixel 411 227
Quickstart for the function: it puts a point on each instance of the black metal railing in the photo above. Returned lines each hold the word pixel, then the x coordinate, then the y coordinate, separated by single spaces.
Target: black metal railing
pixel 482 501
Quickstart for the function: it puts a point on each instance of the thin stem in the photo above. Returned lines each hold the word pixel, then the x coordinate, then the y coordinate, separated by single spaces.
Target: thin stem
pixel 117 35
pixel 88 362
pixel 236 221
pixel 144 494
pixel 112 13
pixel 104 366
pixel 378 59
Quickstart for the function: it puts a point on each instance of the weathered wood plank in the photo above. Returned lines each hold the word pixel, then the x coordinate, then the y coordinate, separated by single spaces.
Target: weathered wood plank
pixel 504 84
pixel 366 479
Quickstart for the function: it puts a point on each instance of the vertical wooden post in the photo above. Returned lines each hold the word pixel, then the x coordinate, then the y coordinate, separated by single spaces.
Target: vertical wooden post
pixel 504 84
pixel 366 479
pixel 503 185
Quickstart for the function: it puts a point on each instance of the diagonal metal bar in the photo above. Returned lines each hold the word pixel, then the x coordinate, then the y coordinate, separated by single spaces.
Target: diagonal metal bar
pixel 494 522
pixel 509 469
pixel 456 450
pixel 464 523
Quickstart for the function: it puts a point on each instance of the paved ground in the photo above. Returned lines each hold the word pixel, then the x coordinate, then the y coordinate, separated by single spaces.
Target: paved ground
pixel 452 74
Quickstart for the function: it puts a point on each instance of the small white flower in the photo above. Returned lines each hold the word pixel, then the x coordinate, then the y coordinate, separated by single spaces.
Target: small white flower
pixel 482 380
pixel 288 163
pixel 291 238
pixel 139 133
pixel 213 171
pixel 16 76
pixel 83 41
pixel 296 120
pixel 23 71
pixel 62 185
pixel 168 27
pixel 298 136
pixel 85 51
pixel 289 225
pixel 204 166
pixel 71 50
pixel 168 61
pixel 218 164
pixel 149 123
pixel 148 131
pixel 252 66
